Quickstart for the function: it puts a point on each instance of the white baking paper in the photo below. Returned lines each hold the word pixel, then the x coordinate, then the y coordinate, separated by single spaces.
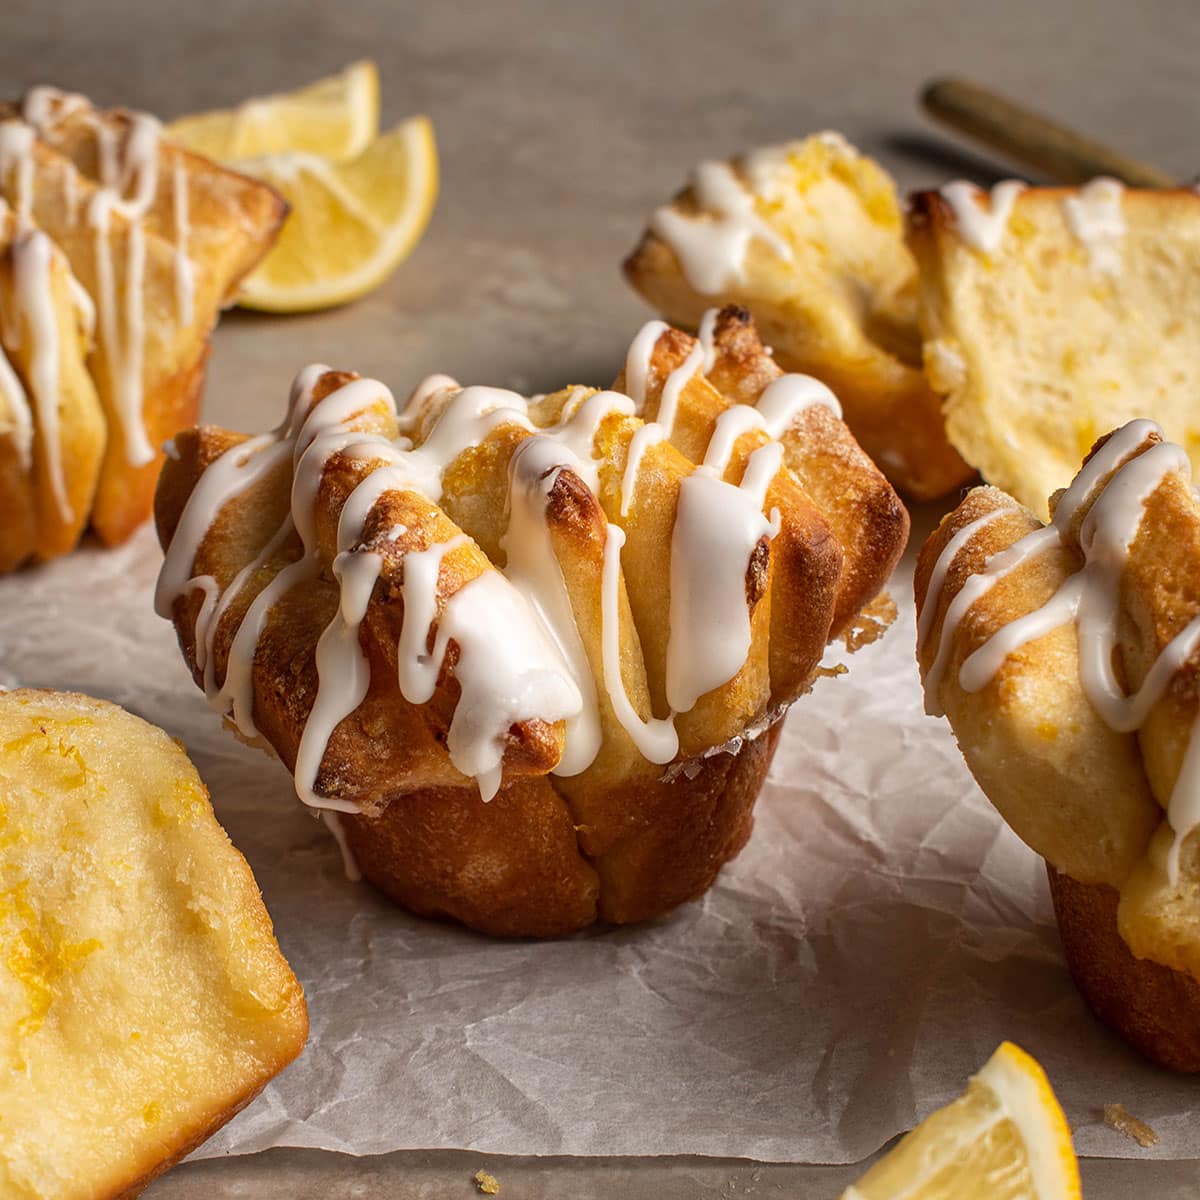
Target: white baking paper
pixel 877 939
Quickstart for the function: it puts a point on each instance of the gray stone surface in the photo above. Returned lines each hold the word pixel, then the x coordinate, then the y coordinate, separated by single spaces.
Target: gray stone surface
pixel 560 124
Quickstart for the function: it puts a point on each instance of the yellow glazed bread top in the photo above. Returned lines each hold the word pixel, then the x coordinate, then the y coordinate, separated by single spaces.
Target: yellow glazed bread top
pixel 1052 315
pixel 808 236
pixel 1065 656
pixel 143 998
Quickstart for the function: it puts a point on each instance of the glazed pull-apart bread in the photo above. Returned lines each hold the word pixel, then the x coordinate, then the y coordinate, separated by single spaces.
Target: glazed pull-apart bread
pixel 1067 658
pixel 143 998
pixel 119 248
pixel 1052 315
pixel 530 653
pixel 809 237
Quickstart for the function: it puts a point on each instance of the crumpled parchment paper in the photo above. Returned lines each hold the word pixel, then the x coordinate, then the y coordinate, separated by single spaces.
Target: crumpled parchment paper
pixel 877 939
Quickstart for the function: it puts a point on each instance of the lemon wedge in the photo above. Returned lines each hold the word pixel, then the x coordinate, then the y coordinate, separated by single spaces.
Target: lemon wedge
pixel 1004 1138
pixel 336 117
pixel 351 224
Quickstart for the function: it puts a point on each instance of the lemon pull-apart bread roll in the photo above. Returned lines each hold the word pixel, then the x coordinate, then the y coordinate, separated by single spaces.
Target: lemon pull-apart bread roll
pixel 530 655
pixel 148 242
pixel 143 998
pixel 1066 657
pixel 1052 315
pixel 809 237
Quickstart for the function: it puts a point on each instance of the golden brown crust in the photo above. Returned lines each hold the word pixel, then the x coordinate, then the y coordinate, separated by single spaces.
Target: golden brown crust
pixel 1154 1008
pixel 518 866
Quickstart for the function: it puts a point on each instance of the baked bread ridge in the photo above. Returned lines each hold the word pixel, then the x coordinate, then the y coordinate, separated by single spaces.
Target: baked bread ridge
pixel 156 239
pixel 1088 762
pixel 113 868
pixel 808 236
pixel 1051 315
pixel 300 557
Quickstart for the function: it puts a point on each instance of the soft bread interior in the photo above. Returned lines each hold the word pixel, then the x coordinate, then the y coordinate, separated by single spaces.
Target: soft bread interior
pixel 143 998
pixel 1039 349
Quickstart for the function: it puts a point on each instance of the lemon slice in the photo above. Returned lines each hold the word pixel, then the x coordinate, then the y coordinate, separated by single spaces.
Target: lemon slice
pixel 1004 1138
pixel 336 117
pixel 351 223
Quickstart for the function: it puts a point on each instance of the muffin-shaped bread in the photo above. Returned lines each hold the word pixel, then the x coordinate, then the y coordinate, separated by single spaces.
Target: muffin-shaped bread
pixel 1066 657
pixel 533 652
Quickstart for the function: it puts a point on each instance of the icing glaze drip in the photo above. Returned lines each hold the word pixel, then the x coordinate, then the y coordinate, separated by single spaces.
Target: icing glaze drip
pixel 982 228
pixel 1117 482
pixel 637 361
pixel 655 738
pixel 19 426
pixel 532 566
pixel 647 436
pixel 1094 216
pixel 32 257
pixel 712 247
pixel 343 671
pixel 128 185
pixel 333 822
pixel 185 275
pixel 717 527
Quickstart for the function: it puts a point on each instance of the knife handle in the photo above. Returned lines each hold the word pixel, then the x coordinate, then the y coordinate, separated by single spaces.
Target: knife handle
pixel 1060 153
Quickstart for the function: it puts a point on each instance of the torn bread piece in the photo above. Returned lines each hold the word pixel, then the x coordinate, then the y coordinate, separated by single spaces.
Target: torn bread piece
pixel 143 997
pixel 1052 315
pixel 808 236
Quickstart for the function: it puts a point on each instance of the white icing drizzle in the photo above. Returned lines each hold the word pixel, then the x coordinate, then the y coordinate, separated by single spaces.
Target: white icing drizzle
pixel 85 309
pixel 19 427
pixel 982 228
pixel 350 867
pixel 706 335
pixel 717 527
pixel 342 669
pixel 1094 216
pixel 16 168
pixel 128 185
pixel 1118 481
pixel 519 654
pixel 532 566
pixel 937 577
pixel 712 247
pixel 645 437
pixel 428 386
pixel 668 405
pixel 785 398
pixel 32 253
pixel 185 275
pixel 656 738
pixel 637 361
